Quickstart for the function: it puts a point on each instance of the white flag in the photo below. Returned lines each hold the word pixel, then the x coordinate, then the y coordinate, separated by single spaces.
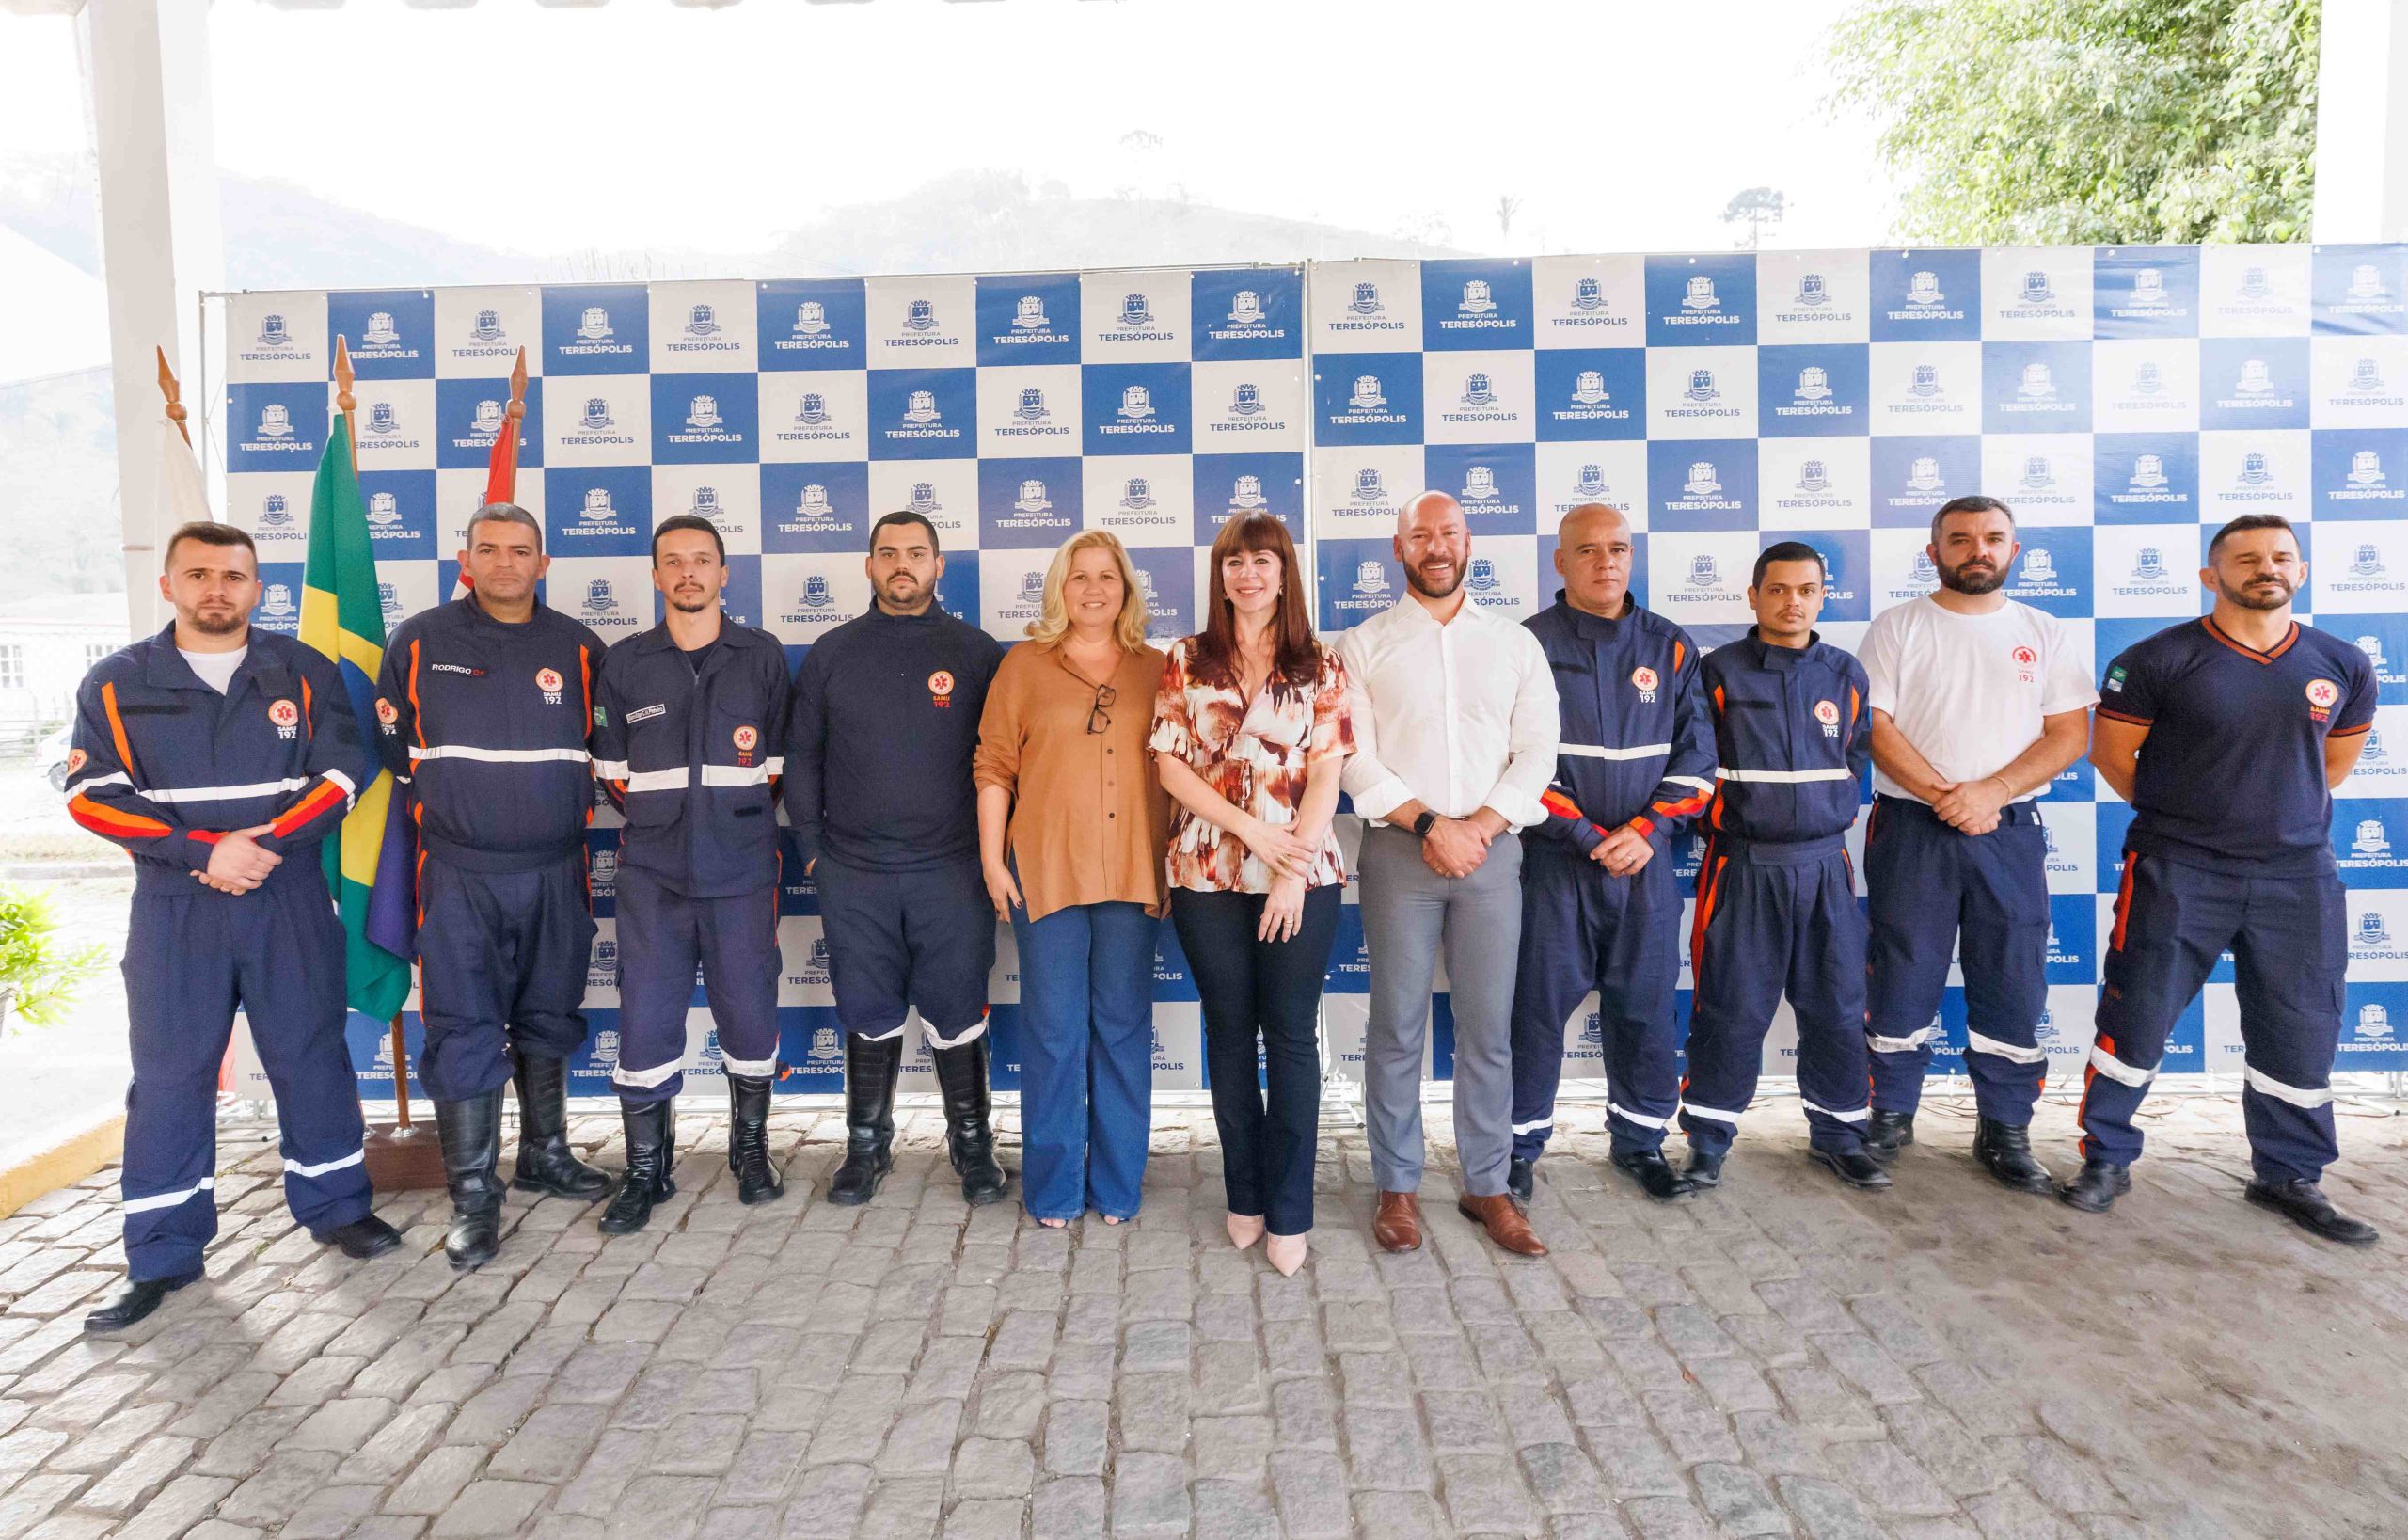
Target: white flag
pixel 181 496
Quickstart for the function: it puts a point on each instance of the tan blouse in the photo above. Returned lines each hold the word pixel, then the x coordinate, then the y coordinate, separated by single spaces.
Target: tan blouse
pixel 1257 755
pixel 1090 818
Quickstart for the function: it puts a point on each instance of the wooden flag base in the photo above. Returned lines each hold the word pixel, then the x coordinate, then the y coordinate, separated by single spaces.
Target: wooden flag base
pixel 404 1158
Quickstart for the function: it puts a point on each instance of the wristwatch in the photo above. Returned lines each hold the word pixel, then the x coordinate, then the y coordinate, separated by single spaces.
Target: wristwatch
pixel 1422 825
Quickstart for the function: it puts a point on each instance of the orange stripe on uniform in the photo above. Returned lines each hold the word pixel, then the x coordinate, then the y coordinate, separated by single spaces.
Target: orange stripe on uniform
pixel 1679 652
pixel 1707 893
pixel 116 727
pixel 308 807
pixel 2123 903
pixel 109 820
pixel 418 723
pixel 309 705
pixel 1557 804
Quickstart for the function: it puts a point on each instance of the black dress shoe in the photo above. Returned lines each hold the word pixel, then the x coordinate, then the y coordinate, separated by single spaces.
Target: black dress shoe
pixel 2306 1205
pixel 1704 1169
pixel 1522 1180
pixel 1656 1178
pixel 1887 1133
pixel 1855 1166
pixel 545 1162
pixel 2097 1188
pixel 361 1239
pixel 134 1300
pixel 871 1070
pixel 2004 1151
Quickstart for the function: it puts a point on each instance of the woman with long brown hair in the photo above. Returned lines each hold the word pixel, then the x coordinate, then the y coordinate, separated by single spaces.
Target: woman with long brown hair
pixel 1250 731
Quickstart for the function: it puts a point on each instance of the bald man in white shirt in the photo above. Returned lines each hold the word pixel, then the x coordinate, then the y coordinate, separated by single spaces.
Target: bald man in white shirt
pixel 1455 724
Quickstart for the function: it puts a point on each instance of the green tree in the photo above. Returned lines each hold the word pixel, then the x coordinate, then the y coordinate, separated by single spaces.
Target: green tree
pixel 2089 120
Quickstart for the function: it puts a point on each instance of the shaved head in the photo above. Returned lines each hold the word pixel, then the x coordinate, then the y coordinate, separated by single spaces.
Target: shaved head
pixel 1434 545
pixel 1593 554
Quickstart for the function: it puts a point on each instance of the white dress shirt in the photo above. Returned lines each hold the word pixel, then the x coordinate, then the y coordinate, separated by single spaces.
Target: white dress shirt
pixel 1458 717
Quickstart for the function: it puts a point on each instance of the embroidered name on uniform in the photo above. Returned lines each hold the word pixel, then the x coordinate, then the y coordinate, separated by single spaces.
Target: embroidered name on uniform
pixel 457 668
pixel 645 713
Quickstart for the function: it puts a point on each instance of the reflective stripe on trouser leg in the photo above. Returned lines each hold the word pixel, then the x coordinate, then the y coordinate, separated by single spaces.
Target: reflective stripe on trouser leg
pixel 658 946
pixel 1555 968
pixel 179 971
pixel 1826 992
pixel 1738 958
pixel 289 947
pixel 739 943
pixel 2171 923
pixel 1913 870
pixel 2288 965
pixel 2005 948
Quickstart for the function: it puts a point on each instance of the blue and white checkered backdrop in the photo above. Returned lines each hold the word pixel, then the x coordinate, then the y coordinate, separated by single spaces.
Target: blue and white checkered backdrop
pixel 2124 399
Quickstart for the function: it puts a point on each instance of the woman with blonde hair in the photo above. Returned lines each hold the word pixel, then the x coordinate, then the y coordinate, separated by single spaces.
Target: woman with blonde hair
pixel 1071 825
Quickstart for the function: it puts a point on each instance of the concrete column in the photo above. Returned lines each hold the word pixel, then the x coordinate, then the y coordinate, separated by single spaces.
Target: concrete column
pixel 145 74
pixel 2362 122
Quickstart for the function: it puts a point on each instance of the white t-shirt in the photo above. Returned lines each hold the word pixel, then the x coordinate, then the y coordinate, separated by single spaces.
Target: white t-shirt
pixel 216 669
pixel 1969 690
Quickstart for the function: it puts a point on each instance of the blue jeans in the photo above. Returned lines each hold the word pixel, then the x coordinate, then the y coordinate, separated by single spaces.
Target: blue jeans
pixel 1086 1061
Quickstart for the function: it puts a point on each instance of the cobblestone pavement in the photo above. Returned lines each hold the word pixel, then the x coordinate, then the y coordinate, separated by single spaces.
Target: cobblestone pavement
pixel 1780 1359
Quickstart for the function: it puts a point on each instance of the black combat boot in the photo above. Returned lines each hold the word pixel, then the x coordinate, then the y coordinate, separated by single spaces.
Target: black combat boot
pixel 470 1134
pixel 1704 1169
pixel 969 1125
pixel 2305 1204
pixel 1887 1133
pixel 546 1162
pixel 748 1139
pixel 871 1070
pixel 652 1151
pixel 1522 1180
pixel 2097 1188
pixel 2004 1151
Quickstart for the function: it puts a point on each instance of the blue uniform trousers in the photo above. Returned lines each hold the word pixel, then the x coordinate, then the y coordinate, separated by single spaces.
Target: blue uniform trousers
pixel 1583 929
pixel 2290 943
pixel 191 960
pixel 662 936
pixel 1935 890
pixel 1774 918
pixel 899 942
pixel 503 960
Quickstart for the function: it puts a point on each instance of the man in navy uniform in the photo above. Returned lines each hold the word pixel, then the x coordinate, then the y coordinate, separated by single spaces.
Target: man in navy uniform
pixel 220 757
pixel 878 789
pixel 1600 909
pixel 685 727
pixel 1776 904
pixel 1977 702
pixel 484 707
pixel 2227 735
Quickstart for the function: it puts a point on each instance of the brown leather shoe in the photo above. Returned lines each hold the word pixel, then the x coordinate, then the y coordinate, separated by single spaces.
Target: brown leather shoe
pixel 1398 1225
pixel 1503 1220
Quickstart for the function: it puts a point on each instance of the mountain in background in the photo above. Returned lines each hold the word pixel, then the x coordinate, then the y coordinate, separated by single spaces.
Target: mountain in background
pixel 59 498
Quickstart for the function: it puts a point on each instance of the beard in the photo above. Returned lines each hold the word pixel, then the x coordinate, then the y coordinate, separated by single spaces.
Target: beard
pixel 691 606
pixel 903 588
pixel 1973 576
pixel 226 623
pixel 2260 594
pixel 1414 580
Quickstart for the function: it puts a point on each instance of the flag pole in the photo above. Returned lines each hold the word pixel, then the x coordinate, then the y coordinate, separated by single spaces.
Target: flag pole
pixel 405 1168
pixel 174 392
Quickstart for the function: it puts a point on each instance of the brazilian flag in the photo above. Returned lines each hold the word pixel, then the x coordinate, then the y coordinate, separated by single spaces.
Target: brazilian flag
pixel 343 617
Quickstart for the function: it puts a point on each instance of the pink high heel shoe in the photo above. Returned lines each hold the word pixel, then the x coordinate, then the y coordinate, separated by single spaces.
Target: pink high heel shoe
pixel 1244 1230
pixel 1286 1253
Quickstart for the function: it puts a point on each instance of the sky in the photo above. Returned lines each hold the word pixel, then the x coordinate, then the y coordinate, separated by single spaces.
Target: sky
pixel 1616 127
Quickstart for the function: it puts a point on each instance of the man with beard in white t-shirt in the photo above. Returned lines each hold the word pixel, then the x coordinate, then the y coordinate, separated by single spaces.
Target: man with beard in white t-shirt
pixel 1978 701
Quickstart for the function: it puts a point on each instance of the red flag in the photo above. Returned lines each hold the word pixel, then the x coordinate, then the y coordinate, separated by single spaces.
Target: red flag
pixel 501 472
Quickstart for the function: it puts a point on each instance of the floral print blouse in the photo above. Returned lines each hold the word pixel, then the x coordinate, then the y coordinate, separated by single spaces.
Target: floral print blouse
pixel 1255 754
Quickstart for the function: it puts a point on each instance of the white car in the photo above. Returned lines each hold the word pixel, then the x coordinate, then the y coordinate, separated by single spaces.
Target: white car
pixel 51 756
